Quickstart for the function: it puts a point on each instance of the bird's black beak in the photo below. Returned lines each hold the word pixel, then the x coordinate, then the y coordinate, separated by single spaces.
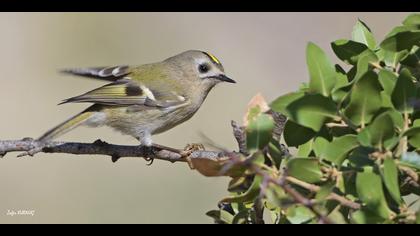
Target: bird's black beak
pixel 224 78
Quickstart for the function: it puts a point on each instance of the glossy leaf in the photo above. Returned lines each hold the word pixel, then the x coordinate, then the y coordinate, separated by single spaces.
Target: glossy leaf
pixel 365 99
pixel 404 92
pixel 361 33
pixel 305 169
pixel 413 135
pixel 320 143
pixel 387 80
pixel 402 41
pixel 348 50
pixel 364 63
pixel 390 177
pixel 305 149
pixel 341 89
pixel 221 216
pixel 247 196
pixel 391 58
pixel 378 132
pixel 337 150
pixel 412 58
pixel 295 134
pixel 413 19
pixel 370 191
pixel 365 216
pixel 281 103
pixel 312 111
pixel 299 214
pixel 259 132
pixel 321 70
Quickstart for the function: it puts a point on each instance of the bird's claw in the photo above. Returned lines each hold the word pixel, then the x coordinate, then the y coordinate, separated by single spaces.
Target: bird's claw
pixel 149 153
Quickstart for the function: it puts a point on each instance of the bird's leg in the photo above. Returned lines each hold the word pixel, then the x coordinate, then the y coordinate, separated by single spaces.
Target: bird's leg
pixel 145 139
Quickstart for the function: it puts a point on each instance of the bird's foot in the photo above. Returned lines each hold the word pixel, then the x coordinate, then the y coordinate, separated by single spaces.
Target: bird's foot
pixel 190 148
pixel 149 153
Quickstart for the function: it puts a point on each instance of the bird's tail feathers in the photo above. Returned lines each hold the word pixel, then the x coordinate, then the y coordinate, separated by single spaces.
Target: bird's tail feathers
pixel 66 126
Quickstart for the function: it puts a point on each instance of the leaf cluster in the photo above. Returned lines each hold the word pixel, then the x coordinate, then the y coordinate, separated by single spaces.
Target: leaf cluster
pixel 353 133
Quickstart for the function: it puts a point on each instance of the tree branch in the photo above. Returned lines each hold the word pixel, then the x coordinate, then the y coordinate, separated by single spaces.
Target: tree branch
pixel 30 147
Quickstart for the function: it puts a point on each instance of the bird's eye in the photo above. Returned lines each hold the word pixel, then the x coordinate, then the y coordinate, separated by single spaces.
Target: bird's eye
pixel 203 68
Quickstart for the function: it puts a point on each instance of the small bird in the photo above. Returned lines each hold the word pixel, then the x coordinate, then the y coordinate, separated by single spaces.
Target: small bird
pixel 145 100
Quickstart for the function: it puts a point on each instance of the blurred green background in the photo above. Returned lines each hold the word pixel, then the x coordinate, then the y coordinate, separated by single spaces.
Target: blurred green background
pixel 264 52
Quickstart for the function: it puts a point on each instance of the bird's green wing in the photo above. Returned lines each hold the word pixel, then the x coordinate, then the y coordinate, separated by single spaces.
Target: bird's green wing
pixel 128 92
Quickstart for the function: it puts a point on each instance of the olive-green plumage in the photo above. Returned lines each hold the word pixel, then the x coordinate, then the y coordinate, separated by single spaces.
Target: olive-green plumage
pixel 144 100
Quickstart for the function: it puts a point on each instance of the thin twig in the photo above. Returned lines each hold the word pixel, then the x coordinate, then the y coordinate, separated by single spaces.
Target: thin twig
pixel 332 196
pixel 31 147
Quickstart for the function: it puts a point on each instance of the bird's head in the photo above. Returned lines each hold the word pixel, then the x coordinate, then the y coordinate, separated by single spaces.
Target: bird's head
pixel 200 68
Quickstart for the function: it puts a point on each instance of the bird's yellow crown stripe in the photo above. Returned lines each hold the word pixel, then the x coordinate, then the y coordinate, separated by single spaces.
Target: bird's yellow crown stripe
pixel 212 57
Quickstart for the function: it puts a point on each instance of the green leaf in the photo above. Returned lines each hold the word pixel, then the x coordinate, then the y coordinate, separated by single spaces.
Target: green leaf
pixel 412 58
pixel 418 217
pixel 281 103
pixel 221 216
pixel 390 58
pixel 259 132
pixel 276 152
pixel 413 19
pixel 361 33
pixel 337 217
pixel 341 88
pixel 276 196
pixel 390 177
pixel 365 217
pixel 378 132
pixel 337 150
pixel 369 189
pixel 359 158
pixel 305 169
pixel 295 134
pixel 404 92
pixel 386 100
pixel 325 191
pixel 401 41
pixel 247 196
pixel 348 50
pixel 321 70
pixel 299 214
pixel 397 117
pixel 312 111
pixel 305 149
pixel 364 63
pixel 241 217
pixel 400 29
pixel 365 99
pixel 320 143
pixel 387 80
pixel 410 159
pixel 413 135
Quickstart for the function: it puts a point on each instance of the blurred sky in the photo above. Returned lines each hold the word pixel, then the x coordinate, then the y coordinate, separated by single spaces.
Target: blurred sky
pixel 263 52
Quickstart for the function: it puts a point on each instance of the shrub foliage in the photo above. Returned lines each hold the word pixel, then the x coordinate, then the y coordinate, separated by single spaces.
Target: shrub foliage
pixel 353 133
